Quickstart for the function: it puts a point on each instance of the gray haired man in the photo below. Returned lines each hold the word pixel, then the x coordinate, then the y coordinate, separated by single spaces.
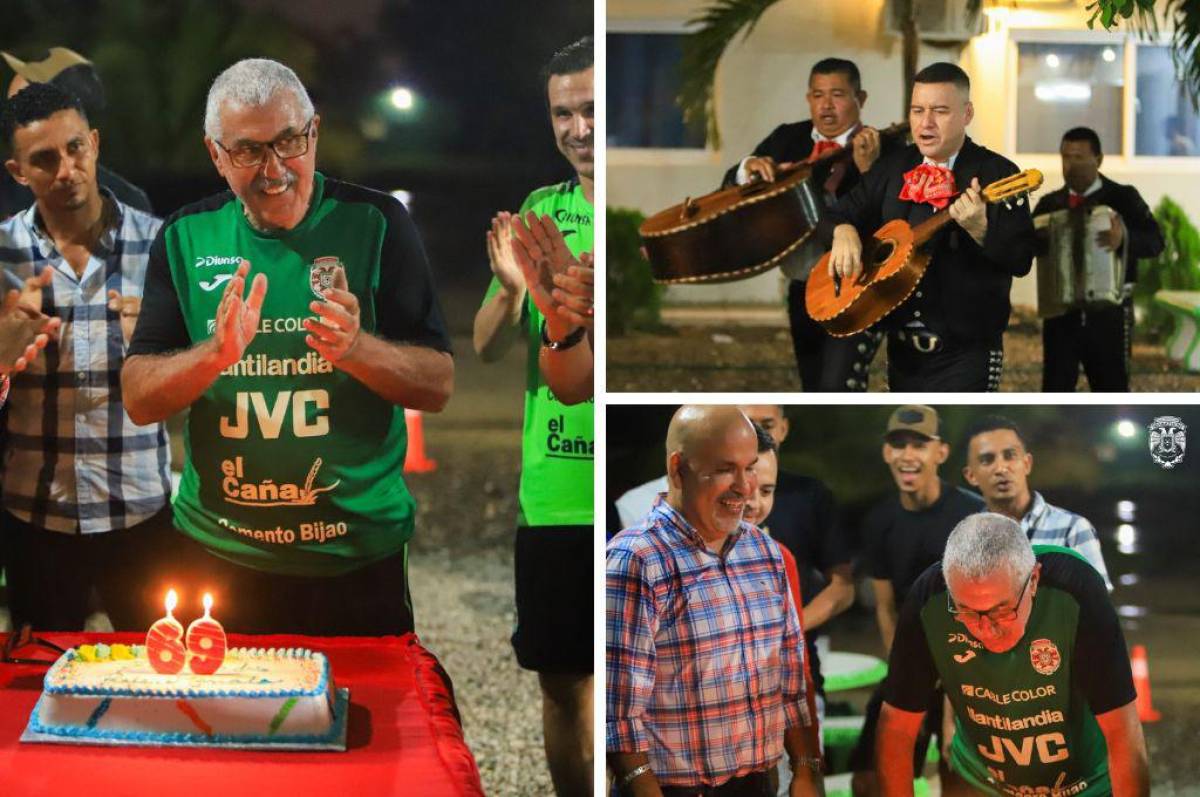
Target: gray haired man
pixel 292 491
pixel 1031 656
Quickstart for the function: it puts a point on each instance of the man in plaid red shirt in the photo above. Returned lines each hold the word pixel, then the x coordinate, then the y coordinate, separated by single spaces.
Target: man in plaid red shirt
pixel 704 654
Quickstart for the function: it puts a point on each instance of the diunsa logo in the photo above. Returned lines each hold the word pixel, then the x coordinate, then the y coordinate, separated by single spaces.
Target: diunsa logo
pixel 208 261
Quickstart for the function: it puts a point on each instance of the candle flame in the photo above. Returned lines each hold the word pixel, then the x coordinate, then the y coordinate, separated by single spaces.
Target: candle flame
pixel 172 600
pixel 207 603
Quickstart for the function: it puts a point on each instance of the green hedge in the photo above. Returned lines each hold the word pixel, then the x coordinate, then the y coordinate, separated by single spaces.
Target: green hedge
pixel 1177 268
pixel 633 296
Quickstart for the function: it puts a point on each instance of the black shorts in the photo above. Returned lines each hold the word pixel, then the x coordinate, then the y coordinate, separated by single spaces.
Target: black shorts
pixel 554 579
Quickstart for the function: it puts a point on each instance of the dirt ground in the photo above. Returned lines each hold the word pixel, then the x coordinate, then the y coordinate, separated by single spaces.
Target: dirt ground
pixel 461 569
pixel 760 359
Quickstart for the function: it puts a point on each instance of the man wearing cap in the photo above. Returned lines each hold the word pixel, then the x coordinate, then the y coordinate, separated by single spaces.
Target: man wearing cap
pixel 998 465
pixel 903 535
pixel 75 74
pixel 1029 652
pixel 705 662
pixel 85 487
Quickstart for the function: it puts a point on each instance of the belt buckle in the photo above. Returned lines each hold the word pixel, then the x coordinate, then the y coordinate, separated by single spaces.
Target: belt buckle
pixel 925 342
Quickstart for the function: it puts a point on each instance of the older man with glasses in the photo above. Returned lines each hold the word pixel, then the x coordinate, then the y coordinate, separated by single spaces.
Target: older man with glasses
pixel 292 493
pixel 1030 654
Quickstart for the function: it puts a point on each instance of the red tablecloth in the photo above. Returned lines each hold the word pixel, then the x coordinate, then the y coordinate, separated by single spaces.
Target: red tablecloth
pixel 402 737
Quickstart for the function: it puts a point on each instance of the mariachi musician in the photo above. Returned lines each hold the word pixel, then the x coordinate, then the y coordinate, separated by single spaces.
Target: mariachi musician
pixel 835 99
pixel 1098 336
pixel 948 334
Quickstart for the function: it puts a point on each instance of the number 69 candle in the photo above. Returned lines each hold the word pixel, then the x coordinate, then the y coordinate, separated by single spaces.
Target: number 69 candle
pixel 205 642
pixel 164 641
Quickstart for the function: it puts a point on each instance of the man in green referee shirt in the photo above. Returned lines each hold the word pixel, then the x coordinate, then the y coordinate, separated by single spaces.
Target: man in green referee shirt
pixel 553 559
pixel 1031 656
pixel 292 503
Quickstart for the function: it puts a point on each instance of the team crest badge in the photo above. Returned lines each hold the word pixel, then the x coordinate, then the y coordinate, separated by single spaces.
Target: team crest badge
pixel 1168 439
pixel 1045 657
pixel 321 274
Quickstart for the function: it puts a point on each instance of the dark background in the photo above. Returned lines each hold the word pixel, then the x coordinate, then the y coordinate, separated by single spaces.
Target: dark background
pixel 1080 463
pixel 478 140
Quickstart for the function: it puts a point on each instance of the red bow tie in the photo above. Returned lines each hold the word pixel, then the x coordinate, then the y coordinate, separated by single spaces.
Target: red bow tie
pixel 1075 200
pixel 929 183
pixel 821 148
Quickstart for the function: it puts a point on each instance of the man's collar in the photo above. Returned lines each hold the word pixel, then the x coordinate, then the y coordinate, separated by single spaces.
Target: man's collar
pixel 112 212
pixel 1096 185
pixel 841 140
pixel 1037 506
pixel 675 518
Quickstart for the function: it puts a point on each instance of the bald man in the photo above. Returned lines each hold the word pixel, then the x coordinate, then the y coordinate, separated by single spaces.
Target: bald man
pixel 705 662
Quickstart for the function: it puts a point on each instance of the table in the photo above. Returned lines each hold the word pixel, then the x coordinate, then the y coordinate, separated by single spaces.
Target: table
pixel 403 736
pixel 844 671
pixel 1182 345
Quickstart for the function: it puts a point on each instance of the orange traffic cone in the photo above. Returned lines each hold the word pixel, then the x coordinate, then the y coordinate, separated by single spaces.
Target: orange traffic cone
pixel 415 460
pixel 1141 682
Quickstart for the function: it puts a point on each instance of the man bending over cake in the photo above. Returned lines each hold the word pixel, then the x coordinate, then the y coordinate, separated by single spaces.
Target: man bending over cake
pixel 295 316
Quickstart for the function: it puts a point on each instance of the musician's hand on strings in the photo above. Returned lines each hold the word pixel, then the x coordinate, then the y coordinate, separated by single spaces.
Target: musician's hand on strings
pixel 970 211
pixel 845 258
pixel 866 148
pixel 1112 237
pixel 760 168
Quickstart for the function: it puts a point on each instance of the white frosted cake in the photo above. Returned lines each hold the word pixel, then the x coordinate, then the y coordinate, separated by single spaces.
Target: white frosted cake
pixel 259 698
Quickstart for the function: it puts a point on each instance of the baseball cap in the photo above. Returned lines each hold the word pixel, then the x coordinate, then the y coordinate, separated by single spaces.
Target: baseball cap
pixel 915 418
pixel 47 69
pixel 66 69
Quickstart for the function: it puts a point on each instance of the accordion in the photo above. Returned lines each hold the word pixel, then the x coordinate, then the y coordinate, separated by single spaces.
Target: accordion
pixel 1076 272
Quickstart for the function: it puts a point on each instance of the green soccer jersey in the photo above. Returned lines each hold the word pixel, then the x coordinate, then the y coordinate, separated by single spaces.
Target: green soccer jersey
pixel 293 466
pixel 1025 718
pixel 558 442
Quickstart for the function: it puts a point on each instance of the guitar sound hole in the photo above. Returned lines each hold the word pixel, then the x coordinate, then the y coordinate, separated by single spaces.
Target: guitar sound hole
pixel 884 251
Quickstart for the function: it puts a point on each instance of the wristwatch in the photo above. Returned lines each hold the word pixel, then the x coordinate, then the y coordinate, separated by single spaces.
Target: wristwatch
pixel 565 343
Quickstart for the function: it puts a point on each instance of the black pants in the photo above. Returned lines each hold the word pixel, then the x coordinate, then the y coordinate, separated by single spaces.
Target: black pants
pixel 51 575
pixel 1098 339
pixel 371 601
pixel 828 364
pixel 944 366
pixel 862 758
pixel 755 784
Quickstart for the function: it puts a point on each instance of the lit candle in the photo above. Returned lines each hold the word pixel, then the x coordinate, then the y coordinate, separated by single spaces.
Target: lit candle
pixel 205 642
pixel 164 641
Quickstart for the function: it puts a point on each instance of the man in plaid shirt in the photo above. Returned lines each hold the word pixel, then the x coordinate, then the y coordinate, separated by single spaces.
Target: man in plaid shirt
pixel 704 655
pixel 998 465
pixel 84 490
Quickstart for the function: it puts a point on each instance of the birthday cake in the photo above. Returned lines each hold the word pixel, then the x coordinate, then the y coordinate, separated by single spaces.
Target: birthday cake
pixel 258 698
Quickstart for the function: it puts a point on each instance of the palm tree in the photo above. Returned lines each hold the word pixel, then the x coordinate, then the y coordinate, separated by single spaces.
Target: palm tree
pixel 721 22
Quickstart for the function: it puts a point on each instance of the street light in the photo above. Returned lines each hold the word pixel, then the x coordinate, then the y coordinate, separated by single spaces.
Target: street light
pixel 1126 428
pixel 402 98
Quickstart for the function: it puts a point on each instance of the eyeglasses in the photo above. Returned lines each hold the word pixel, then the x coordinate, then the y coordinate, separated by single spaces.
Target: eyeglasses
pixel 254 153
pixel 996 616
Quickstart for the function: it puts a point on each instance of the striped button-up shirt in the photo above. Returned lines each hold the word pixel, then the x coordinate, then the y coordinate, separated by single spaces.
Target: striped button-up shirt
pixel 704 654
pixel 1046 524
pixel 75 463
